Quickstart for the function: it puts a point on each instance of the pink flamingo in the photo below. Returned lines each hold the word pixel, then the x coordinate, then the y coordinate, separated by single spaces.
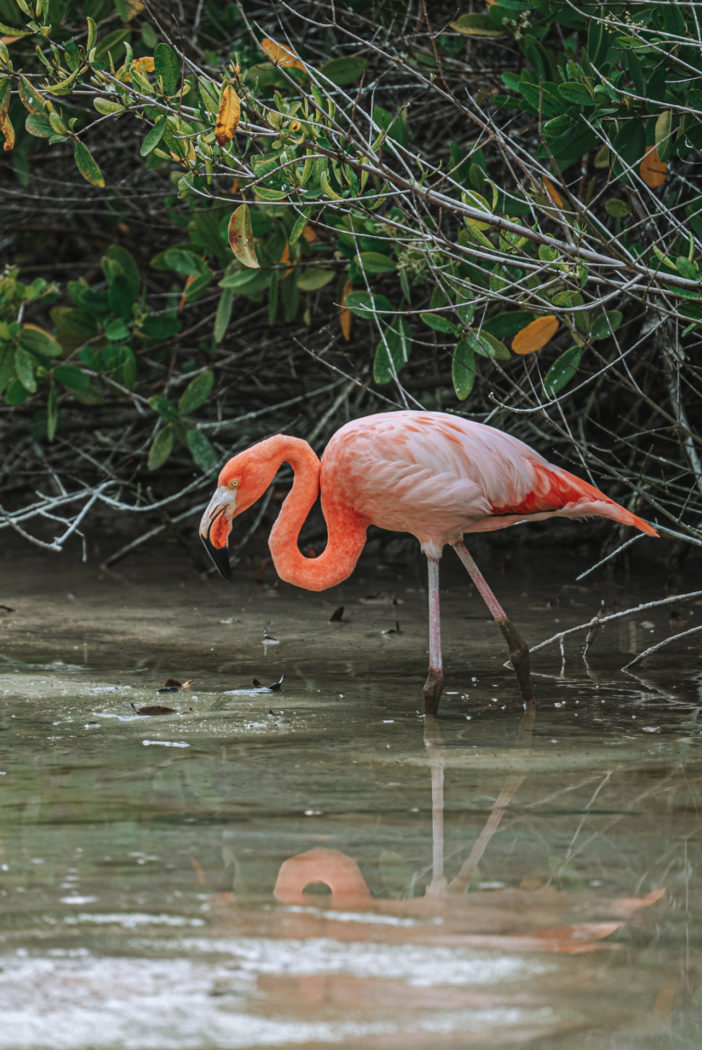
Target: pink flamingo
pixel 433 475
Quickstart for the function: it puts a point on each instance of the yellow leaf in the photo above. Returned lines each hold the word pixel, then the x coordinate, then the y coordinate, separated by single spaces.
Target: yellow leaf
pixel 665 1001
pixel 553 193
pixel 145 64
pixel 280 55
pixel 285 258
pixel 535 335
pixel 189 280
pixel 652 169
pixel 345 315
pixel 135 8
pixel 227 116
pixel 8 131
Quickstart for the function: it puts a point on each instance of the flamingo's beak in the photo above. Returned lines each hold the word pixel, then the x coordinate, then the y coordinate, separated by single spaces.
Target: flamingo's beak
pixel 215 527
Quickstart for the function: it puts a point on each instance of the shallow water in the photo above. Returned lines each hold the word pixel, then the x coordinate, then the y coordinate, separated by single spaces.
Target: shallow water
pixel 315 866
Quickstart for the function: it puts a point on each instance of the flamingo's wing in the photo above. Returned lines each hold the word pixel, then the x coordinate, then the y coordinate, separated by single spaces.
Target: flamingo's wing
pixel 438 476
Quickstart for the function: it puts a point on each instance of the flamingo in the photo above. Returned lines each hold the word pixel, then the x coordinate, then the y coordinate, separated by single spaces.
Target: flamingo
pixel 431 474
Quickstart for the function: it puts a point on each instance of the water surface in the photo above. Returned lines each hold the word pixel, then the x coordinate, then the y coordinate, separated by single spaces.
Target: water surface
pixel 315 866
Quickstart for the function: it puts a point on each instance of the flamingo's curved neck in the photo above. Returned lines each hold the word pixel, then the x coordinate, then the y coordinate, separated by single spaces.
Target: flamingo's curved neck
pixel 346 530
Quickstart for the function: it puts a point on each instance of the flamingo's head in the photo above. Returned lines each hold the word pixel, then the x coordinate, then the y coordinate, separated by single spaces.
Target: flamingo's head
pixel 241 482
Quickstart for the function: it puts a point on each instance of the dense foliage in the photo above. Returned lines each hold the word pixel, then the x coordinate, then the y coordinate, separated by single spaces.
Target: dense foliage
pixel 255 217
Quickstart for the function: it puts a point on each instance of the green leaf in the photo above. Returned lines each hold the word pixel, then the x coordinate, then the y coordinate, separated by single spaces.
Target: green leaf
pixel 39 342
pixel 365 305
pixel 297 229
pixel 165 408
pixel 197 288
pixel 51 413
pixel 476 25
pixel 562 371
pixel 180 261
pixel 576 93
pixel 196 393
pixel 376 262
pixel 87 165
pixel 597 42
pixel 491 346
pixel 313 278
pixel 129 366
pixel 629 145
pixel 110 47
pixel 201 450
pixel 24 367
pixel 38 125
pixel 223 315
pixel 395 125
pixel 16 393
pixel 506 325
pixel 120 297
pixel 465 311
pixel 7 366
pixel 167 68
pixel 663 136
pixel 119 260
pixel 5 92
pixel 439 323
pixel 106 107
pixel 392 353
pixel 343 71
pixel 154 137
pixel 71 376
pixel 161 448
pixel 116 330
pixel 604 324
pixel 617 208
pixel 463 369
pixel 686 268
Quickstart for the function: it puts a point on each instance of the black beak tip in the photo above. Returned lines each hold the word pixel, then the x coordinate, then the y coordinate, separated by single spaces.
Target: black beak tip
pixel 220 558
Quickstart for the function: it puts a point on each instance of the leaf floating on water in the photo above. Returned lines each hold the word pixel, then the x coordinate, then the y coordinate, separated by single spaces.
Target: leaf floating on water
pixel 268 639
pixel 155 709
pixel 380 598
pixel 337 615
pixel 274 687
pixel 393 630
pixel 172 685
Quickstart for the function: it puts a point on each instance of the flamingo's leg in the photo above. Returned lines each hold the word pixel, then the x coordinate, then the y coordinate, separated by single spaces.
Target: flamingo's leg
pixel 518 648
pixel 435 678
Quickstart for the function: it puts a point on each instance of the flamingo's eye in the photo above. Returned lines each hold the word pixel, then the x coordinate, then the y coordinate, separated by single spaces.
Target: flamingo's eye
pixel 234 484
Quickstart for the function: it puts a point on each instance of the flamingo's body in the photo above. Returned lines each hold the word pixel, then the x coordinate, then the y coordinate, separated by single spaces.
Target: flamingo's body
pixel 431 474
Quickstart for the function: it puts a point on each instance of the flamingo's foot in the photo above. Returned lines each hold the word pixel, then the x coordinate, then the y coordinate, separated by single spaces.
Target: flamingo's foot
pixel 432 691
pixel 519 657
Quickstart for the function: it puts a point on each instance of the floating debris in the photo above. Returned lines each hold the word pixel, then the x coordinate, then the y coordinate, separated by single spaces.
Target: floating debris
pixel 268 639
pixel 393 630
pixel 154 709
pixel 380 598
pixel 172 685
pixel 337 615
pixel 274 687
